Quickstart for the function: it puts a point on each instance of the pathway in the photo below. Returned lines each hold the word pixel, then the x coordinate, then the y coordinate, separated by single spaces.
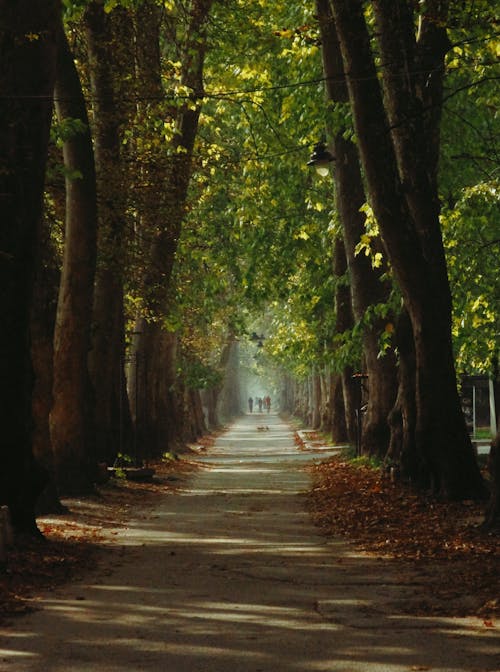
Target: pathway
pixel 230 576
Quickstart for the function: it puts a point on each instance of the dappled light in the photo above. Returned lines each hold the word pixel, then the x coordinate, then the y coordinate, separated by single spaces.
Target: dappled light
pixel 229 574
pixel 250 415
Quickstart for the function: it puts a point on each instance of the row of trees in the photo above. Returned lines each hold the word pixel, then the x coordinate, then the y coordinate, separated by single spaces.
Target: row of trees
pixel 181 207
pixel 385 71
pixel 90 365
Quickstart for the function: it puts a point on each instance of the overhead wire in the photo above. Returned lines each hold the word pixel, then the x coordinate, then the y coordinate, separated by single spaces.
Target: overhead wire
pixel 236 92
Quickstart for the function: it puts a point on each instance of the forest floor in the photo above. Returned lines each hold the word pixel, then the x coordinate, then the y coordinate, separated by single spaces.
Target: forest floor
pixel 72 541
pixel 456 561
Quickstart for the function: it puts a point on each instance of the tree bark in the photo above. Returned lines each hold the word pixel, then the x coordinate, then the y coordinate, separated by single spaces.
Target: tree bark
pixel 366 282
pixel 209 404
pixel 399 169
pixel 368 289
pixel 316 401
pixel 71 418
pixel 229 402
pixel 343 322
pixel 339 427
pixel 28 44
pixel 106 362
pixel 402 453
pixel 43 317
pixel 199 425
pixel 175 183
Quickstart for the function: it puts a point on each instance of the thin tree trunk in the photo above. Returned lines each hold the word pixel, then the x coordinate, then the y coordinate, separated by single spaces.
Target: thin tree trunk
pixel 327 402
pixel 402 453
pixel 316 401
pixel 229 402
pixel 344 322
pixel 199 418
pixel 106 362
pixel 71 418
pixel 339 427
pixel 209 402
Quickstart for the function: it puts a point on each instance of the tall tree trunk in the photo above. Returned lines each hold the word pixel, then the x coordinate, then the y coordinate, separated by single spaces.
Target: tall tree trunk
pixel 28 44
pixel 71 418
pixel 339 427
pixel 343 322
pixel 287 397
pixel 316 400
pixel 368 290
pixel 327 401
pixel 199 425
pixel 399 168
pixel 402 451
pixel 171 212
pixel 43 317
pixel 367 286
pixel 229 402
pixel 209 404
pixel 106 361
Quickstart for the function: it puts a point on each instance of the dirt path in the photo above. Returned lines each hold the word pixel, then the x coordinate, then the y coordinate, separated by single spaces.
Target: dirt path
pixel 230 576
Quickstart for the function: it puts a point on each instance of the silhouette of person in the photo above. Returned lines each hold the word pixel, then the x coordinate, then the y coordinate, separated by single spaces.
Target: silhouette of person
pixel 250 404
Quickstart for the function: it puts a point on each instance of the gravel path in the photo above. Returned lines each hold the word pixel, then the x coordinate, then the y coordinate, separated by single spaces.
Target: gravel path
pixel 229 575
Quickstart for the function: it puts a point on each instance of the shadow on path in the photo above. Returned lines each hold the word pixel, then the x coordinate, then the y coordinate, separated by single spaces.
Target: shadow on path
pixel 229 575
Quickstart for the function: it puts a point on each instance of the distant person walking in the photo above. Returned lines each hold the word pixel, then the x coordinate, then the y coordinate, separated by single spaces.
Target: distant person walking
pixel 267 403
pixel 250 404
pixel 260 404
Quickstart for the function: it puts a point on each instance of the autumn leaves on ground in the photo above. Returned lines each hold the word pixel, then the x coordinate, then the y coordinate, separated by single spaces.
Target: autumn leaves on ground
pixel 74 540
pixel 453 560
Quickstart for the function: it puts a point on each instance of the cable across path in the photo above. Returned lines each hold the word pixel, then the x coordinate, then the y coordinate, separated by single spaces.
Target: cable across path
pixel 230 575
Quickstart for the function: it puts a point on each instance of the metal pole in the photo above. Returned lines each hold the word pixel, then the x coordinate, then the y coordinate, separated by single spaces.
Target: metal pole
pixel 136 440
pixel 493 417
pixel 473 410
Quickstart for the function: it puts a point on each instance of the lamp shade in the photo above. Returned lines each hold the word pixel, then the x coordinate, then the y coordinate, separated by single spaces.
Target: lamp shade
pixel 321 159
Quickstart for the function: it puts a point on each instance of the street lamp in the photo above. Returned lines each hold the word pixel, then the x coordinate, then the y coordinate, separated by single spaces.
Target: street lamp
pixel 321 159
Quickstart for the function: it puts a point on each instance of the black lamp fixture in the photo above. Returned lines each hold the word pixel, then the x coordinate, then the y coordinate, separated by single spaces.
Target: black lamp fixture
pixel 321 159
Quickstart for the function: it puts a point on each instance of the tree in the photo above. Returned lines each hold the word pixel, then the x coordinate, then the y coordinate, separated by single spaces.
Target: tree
pixel 71 418
pixel 28 42
pixel 152 341
pixel 398 139
pixel 109 65
pixel 369 290
pixel 43 317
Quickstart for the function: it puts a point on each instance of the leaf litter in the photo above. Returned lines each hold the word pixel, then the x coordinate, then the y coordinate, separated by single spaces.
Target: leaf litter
pixel 72 541
pixel 454 561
